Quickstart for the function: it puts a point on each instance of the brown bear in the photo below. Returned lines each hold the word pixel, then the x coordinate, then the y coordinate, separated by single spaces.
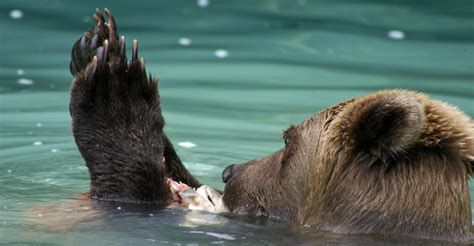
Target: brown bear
pixel 392 163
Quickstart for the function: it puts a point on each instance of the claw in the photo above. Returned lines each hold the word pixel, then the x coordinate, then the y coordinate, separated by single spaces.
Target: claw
pixel 135 51
pixel 122 46
pixel 99 19
pixel 106 50
pixel 100 54
pixel 111 34
pixel 111 26
pixel 94 65
pixel 94 42
pixel 96 19
pixel 110 16
pixel 142 65
pixel 83 42
pixel 111 23
pixel 99 15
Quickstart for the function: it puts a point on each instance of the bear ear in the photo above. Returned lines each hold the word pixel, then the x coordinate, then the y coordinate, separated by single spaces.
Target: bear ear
pixel 382 124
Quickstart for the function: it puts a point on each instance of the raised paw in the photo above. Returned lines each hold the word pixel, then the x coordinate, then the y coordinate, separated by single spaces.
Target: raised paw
pixel 117 121
pixel 116 118
pixel 101 71
pixel 88 45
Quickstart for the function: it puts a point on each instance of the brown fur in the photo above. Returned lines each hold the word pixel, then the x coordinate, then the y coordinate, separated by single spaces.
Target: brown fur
pixel 391 163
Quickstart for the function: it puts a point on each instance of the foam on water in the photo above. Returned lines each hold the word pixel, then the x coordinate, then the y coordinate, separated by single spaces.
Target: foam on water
pixel 220 235
pixel 16 14
pixel 184 41
pixel 187 144
pixel 202 3
pixel 396 34
pixel 221 53
pixel 25 81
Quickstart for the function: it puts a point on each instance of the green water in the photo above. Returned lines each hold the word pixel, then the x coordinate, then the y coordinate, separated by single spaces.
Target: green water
pixel 280 61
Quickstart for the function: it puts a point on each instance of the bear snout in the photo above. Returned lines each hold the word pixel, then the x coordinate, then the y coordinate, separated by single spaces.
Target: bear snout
pixel 229 171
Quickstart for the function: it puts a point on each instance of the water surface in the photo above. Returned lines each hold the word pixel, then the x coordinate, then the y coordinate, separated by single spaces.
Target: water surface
pixel 233 76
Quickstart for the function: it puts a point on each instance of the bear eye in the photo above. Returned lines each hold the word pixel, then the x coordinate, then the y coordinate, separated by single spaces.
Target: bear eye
pixel 287 141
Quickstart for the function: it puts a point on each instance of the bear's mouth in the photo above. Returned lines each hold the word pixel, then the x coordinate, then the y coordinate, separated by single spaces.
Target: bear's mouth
pixel 203 198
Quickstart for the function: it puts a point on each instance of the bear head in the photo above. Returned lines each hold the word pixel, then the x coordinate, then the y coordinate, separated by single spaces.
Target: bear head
pixel 392 163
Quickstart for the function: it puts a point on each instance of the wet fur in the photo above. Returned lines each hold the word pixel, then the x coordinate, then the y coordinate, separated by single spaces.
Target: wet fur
pixel 117 122
pixel 391 163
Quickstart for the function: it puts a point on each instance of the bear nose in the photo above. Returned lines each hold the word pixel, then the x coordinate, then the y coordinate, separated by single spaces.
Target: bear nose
pixel 227 173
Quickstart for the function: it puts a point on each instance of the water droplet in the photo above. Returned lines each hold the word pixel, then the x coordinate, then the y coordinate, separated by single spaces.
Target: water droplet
pixel 54 150
pixel 184 41
pixel 20 72
pixel 187 144
pixel 202 3
pixel 40 215
pixel 9 171
pixel 150 239
pixel 23 81
pixel 16 14
pixel 38 143
pixel 39 124
pixel 221 53
pixel 119 208
pixel 396 34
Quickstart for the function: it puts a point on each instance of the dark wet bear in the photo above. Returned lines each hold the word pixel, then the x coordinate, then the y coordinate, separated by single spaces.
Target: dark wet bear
pixel 392 163
pixel 117 121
